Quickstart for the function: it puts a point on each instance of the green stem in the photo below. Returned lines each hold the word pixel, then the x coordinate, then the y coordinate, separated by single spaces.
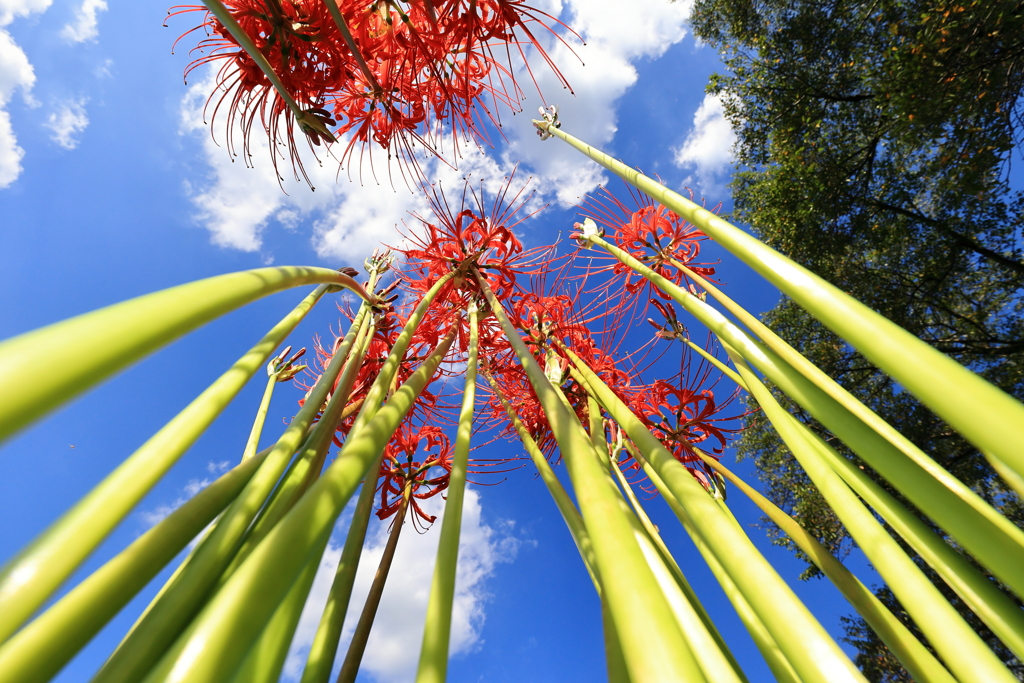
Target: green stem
pixel 306 467
pixel 976 525
pixel 989 418
pixel 433 664
pixel 267 656
pixel 713 655
pixel 261 417
pixel 920 663
pixel 36 572
pixel 658 651
pixel 570 514
pixel 165 619
pixel 967 656
pixel 37 652
pixel 807 645
pixel 220 636
pixel 763 639
pixel 325 644
pixel 96 345
pixel 361 634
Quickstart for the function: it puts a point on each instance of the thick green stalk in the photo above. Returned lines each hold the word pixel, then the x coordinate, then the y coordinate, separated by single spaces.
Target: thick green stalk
pixel 966 655
pixel 989 418
pixel 96 345
pixel 713 655
pixel 219 638
pixel 308 463
pixel 37 652
pixel 901 642
pixel 570 514
pixel 773 655
pixel 658 652
pixel 36 572
pixel 977 591
pixel 807 646
pixel 433 665
pixel 325 642
pixel 361 634
pixel 179 602
pixel 267 656
pixel 979 528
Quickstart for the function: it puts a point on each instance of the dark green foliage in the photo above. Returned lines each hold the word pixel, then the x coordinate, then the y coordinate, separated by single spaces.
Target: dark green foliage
pixel 874 142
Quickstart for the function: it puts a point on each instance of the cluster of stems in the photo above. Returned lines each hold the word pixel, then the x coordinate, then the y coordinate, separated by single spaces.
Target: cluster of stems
pixel 383 395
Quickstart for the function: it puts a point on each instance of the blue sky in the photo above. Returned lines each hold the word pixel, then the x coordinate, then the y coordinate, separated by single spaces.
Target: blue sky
pixel 111 186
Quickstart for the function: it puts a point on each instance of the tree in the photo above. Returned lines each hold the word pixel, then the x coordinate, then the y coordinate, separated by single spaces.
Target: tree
pixel 874 142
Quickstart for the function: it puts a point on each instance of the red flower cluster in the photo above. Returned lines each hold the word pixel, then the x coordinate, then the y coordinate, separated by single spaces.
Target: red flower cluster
pixel 394 72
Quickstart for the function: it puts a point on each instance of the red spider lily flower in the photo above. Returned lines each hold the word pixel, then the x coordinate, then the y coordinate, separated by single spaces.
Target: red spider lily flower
pixel 420 457
pixel 301 43
pixel 398 76
pixel 653 234
pixel 472 233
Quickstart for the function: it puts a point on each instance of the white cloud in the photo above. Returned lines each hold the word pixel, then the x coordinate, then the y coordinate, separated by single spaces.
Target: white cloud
pixel 11 9
pixel 615 39
pixel 707 149
pixel 83 28
pixel 68 121
pixel 16 73
pixel 392 651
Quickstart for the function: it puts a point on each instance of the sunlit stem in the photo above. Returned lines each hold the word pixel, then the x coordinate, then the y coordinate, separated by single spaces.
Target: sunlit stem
pixel 433 664
pixel 765 642
pixel 722 367
pixel 261 417
pixel 267 657
pixel 566 507
pixel 306 467
pixel 901 642
pixel 225 17
pixel 988 417
pixel 995 541
pixel 325 643
pixel 28 579
pixel 354 656
pixel 217 640
pixel 805 643
pixel 385 377
pixel 38 651
pixel 713 655
pixel 978 592
pixel 657 651
pixel 966 655
pixel 165 619
pixel 616 661
pixel 95 346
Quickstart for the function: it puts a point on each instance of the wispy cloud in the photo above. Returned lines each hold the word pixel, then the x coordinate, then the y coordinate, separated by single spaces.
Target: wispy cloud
pixel 84 26
pixel 707 150
pixel 153 517
pixel 393 648
pixel 67 122
pixel 16 73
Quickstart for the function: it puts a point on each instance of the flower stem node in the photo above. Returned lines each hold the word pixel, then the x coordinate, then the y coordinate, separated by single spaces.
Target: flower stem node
pixel 314 122
pixel 283 370
pixel 379 263
pixel 550 118
pixel 588 230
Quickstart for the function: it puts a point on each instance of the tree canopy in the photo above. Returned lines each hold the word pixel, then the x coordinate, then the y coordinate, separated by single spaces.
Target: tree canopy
pixel 874 145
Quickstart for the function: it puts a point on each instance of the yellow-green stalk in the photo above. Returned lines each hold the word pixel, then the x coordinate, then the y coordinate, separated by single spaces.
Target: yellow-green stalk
pixel 433 664
pixel 28 579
